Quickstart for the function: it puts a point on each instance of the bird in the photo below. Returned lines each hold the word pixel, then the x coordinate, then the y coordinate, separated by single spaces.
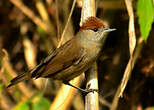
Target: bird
pixel 73 57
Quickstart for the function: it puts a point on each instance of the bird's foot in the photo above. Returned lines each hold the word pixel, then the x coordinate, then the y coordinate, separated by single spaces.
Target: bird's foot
pixel 85 91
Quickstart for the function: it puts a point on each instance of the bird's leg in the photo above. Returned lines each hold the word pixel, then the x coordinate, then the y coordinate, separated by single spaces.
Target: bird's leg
pixel 86 91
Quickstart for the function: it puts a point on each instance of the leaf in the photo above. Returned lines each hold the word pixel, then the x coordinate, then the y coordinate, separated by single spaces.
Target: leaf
pixel 150 108
pixel 145 12
pixel 22 106
pixel 1 87
pixel 37 102
pixel 41 103
pixel 41 32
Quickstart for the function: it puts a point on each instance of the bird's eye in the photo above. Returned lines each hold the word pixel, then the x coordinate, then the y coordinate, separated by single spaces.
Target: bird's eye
pixel 95 29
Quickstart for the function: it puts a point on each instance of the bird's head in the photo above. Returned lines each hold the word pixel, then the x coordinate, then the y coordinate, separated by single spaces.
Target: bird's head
pixel 94 29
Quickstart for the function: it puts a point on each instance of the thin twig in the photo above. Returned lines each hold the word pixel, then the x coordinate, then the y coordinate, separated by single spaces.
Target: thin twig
pixel 8 67
pixel 64 96
pixel 6 102
pixel 132 44
pixel 31 15
pixel 132 36
pixel 44 14
pixel 104 102
pixel 133 60
pixel 62 36
pixel 57 19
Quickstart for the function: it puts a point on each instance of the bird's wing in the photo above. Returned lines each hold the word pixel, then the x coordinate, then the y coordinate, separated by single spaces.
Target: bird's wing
pixel 59 60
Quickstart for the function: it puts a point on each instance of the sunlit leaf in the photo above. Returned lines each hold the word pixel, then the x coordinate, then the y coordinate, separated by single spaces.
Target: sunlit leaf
pixel 22 106
pixel 1 87
pixel 41 103
pixel 145 11
pixel 150 108
pixel 41 32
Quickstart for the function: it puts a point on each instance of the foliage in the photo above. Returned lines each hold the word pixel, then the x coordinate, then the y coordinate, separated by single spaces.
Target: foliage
pixel 145 11
pixel 37 103
pixel 1 86
pixel 150 108
pixel 22 106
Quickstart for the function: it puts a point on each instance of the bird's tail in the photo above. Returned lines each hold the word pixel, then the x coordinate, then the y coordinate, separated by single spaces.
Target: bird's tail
pixel 19 78
pixel 34 73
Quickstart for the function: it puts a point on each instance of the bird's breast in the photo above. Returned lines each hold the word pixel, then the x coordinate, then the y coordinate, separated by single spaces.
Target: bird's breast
pixel 93 49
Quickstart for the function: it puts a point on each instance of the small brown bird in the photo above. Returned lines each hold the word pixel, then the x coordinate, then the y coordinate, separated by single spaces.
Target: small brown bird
pixel 72 58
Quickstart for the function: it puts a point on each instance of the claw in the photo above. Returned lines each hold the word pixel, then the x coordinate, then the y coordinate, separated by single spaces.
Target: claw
pixel 85 91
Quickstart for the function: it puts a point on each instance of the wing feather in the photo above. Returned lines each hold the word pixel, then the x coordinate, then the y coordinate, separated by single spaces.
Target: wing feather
pixel 59 60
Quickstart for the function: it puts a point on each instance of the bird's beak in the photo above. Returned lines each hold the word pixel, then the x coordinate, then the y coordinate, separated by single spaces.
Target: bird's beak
pixel 108 30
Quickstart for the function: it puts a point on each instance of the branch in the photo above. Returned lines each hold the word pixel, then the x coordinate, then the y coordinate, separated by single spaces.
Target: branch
pixel 91 99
